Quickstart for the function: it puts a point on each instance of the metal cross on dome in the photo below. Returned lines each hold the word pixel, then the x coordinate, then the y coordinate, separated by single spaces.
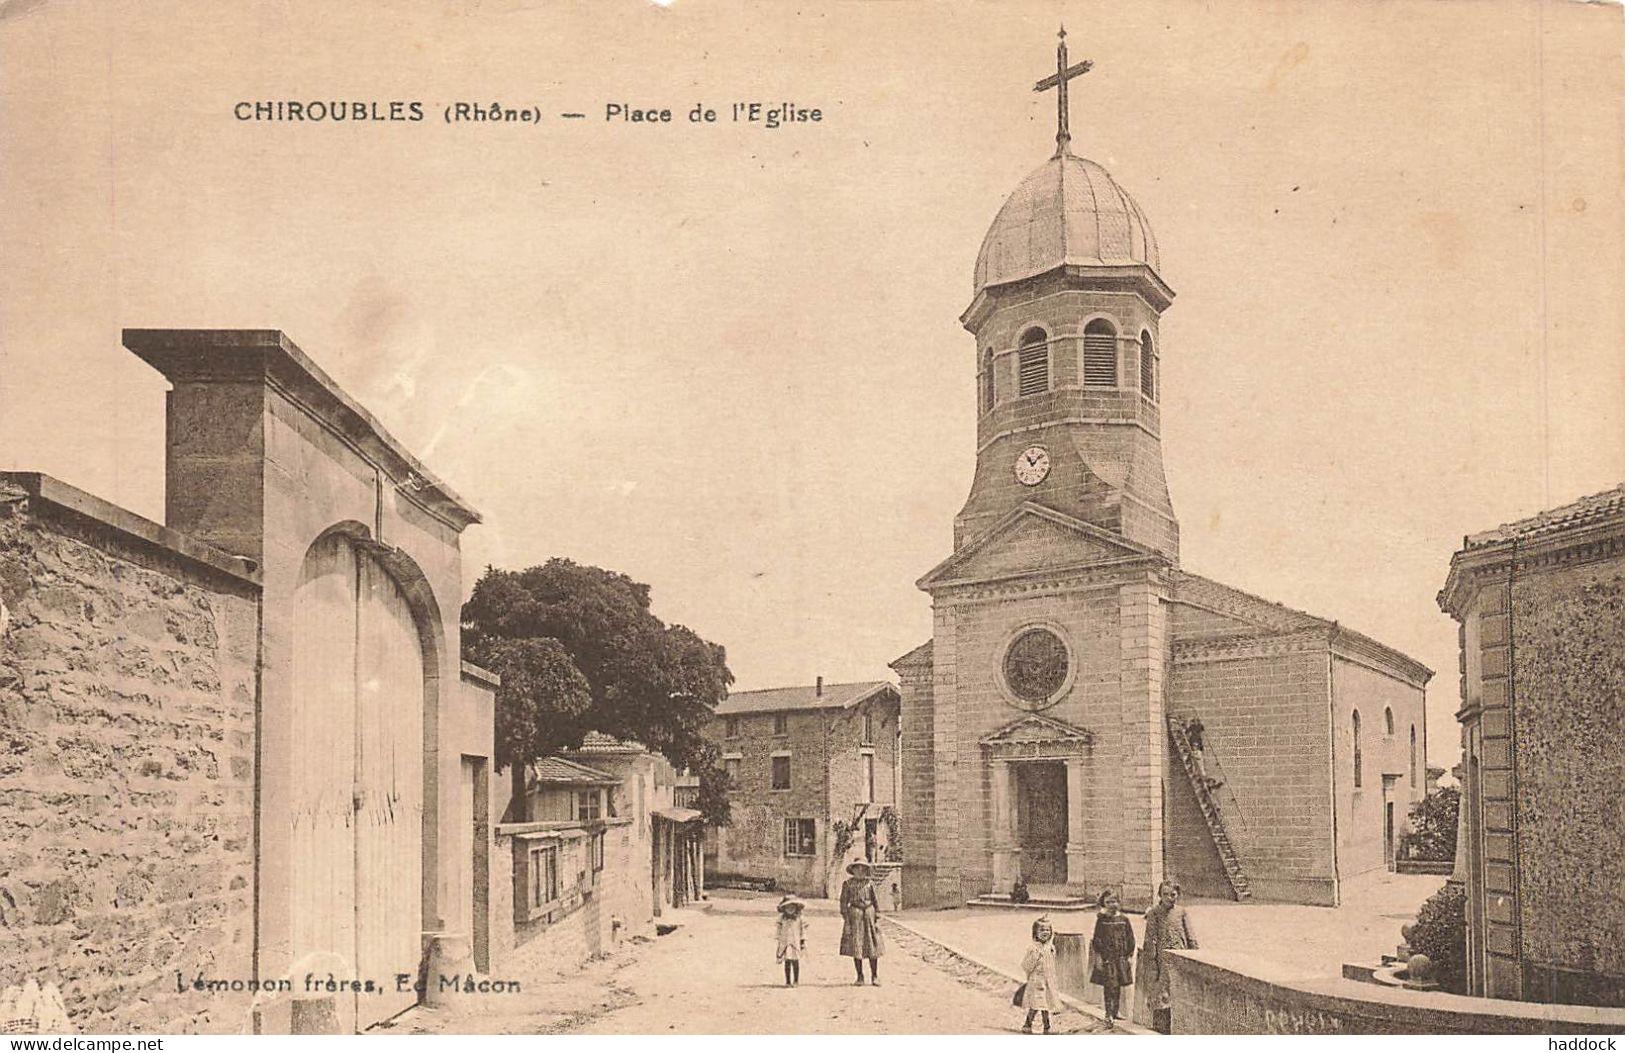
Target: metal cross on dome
pixel 1057 80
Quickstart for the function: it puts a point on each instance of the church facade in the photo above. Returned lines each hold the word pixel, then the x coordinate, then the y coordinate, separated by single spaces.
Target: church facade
pixel 1046 723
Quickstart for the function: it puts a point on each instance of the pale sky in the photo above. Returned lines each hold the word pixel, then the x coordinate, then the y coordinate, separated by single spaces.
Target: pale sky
pixel 726 360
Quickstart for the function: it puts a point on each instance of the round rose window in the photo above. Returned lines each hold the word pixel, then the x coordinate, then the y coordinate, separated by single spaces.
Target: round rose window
pixel 1035 666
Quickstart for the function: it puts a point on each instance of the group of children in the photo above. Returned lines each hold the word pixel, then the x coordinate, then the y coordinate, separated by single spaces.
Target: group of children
pixel 1111 964
pixel 1111 954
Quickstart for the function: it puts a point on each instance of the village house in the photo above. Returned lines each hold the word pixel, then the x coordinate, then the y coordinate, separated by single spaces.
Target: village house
pixel 813 776
pixel 1541 610
pixel 600 850
pixel 241 745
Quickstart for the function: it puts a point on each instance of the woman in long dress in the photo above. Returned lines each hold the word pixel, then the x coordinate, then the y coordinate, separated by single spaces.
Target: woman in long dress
pixel 860 922
pixel 1167 928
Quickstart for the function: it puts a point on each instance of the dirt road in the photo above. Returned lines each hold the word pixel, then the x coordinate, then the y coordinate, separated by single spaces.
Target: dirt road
pixel 716 974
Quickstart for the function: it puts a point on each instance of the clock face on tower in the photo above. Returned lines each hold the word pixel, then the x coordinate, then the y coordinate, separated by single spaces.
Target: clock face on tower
pixel 1032 464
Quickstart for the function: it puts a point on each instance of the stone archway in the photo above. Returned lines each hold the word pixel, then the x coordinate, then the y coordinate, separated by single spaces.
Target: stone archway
pixel 357 756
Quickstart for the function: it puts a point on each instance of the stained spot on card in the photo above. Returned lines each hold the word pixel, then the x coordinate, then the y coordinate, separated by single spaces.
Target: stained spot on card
pixel 1293 58
pixel 1446 237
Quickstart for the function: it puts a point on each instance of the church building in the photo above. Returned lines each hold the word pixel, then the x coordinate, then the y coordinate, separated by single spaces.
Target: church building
pixel 1047 725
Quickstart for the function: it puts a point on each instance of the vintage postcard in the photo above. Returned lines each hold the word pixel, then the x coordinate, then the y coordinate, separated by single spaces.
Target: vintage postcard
pixel 528 517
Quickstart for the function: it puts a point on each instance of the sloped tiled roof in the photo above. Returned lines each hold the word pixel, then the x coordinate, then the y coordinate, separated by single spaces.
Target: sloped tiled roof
pixel 921 655
pixel 557 770
pixel 1226 599
pixel 598 742
pixel 1575 514
pixel 1277 618
pixel 772 700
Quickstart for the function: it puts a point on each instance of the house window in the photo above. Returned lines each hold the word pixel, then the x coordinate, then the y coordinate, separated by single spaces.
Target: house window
pixel 781 723
pixel 1100 354
pixel 544 874
pixel 868 728
pixel 1148 366
pixel 589 807
pixel 987 380
pixel 1387 720
pixel 730 768
pixel 1413 758
pixel 781 773
pixel 869 775
pixel 1032 363
pixel 800 837
pixel 730 727
pixel 1359 767
pixel 598 852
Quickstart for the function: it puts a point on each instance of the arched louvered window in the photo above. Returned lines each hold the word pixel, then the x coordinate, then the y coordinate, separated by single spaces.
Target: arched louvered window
pixel 1100 354
pixel 1148 366
pixel 987 380
pixel 1387 720
pixel 1413 758
pixel 1359 766
pixel 1032 363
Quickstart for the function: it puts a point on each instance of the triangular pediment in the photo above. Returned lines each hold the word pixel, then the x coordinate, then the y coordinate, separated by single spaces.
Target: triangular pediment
pixel 1033 539
pixel 1036 735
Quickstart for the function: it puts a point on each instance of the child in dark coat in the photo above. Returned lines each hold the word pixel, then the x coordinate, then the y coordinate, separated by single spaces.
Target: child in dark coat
pixel 1111 953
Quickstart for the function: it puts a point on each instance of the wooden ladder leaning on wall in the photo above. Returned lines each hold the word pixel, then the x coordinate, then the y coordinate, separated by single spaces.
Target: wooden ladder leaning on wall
pixel 1210 810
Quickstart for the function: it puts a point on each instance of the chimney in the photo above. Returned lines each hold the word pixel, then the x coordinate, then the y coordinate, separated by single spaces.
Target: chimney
pixel 818 688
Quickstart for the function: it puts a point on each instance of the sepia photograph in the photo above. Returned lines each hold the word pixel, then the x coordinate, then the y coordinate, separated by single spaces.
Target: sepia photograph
pixel 538 517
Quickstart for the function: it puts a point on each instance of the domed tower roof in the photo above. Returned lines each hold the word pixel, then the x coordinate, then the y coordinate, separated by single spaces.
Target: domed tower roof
pixel 1068 211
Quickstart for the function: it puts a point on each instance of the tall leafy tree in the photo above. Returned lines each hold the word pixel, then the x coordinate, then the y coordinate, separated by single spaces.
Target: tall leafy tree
pixel 579 649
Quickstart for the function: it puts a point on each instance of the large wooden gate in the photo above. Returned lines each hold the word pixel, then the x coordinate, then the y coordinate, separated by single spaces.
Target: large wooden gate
pixel 357 752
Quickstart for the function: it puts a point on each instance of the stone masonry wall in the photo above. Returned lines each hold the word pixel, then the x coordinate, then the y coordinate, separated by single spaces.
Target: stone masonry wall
pixel 127 702
pixel 1267 736
pixel 1217 993
pixel 1569 707
pixel 1384 758
pixel 847 783
pixel 752 844
pixel 917 815
pixel 1089 622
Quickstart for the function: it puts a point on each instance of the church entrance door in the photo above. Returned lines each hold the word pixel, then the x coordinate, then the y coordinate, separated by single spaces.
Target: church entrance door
pixel 1041 821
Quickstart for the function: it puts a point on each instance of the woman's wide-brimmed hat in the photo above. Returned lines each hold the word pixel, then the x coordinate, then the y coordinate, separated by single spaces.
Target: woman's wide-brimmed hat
pixel 857 865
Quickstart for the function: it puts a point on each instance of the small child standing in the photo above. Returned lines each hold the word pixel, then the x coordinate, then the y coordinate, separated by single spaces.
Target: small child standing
pixel 792 938
pixel 1039 994
pixel 1111 954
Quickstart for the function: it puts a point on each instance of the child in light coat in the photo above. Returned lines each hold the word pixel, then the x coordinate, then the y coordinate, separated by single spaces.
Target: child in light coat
pixel 792 938
pixel 1039 995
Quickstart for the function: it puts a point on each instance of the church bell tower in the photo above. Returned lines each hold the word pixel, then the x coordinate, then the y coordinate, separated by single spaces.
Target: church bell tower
pixel 1066 310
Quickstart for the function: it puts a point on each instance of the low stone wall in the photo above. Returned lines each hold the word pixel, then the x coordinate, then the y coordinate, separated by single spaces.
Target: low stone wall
pixel 1218 993
pixel 1443 868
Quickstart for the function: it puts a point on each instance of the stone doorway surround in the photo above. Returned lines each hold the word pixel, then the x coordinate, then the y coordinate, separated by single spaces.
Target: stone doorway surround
pixel 1035 737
